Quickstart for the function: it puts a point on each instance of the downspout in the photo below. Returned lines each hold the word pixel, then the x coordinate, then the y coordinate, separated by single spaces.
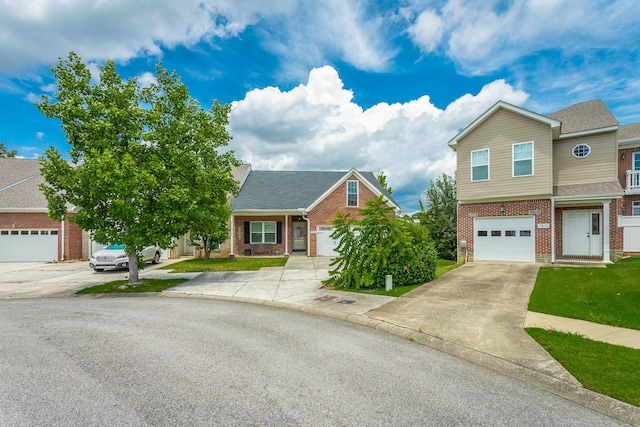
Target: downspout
pixel 553 230
pixel 304 216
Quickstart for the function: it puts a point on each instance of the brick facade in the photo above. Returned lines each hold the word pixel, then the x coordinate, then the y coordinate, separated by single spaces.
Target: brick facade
pixel 73 236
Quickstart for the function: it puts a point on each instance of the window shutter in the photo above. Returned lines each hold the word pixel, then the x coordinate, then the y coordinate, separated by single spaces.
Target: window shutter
pixel 279 232
pixel 247 232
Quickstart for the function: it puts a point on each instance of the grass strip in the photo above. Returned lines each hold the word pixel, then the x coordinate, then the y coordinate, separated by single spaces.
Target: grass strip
pixel 123 286
pixel 225 264
pixel 610 296
pixel 608 369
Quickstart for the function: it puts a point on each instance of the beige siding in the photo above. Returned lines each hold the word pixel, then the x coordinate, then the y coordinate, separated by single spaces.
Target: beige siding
pixel 600 165
pixel 498 133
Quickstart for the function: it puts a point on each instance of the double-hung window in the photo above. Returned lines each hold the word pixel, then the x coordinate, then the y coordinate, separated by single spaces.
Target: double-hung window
pixel 480 165
pixel 636 161
pixel 635 209
pixel 352 193
pixel 523 159
pixel 263 232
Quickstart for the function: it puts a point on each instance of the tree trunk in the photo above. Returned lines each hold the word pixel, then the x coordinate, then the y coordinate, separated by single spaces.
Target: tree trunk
pixel 207 248
pixel 133 269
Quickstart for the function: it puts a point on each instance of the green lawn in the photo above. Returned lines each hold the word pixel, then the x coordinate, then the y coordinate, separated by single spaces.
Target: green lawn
pixel 607 369
pixel 610 296
pixel 123 286
pixel 225 264
pixel 442 266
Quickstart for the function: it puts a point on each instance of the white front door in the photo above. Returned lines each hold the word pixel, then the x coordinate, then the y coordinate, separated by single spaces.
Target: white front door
pixel 300 236
pixel 325 245
pixel 582 233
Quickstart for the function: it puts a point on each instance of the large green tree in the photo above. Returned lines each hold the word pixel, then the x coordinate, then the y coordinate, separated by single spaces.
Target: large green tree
pixel 144 162
pixel 438 213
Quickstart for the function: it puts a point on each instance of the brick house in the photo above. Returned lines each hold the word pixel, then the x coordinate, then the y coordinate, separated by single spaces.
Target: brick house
pixel 280 212
pixel 26 232
pixel 536 188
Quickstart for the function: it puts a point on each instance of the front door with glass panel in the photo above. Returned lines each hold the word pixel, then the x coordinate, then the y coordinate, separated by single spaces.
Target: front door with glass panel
pixel 300 236
pixel 582 233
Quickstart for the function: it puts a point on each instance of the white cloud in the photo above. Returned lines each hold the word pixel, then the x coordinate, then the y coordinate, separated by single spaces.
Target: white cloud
pixel 39 135
pixel 39 31
pixel 317 126
pixel 427 31
pixel 146 79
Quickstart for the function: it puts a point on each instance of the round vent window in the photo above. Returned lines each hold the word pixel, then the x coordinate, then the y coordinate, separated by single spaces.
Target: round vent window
pixel 581 150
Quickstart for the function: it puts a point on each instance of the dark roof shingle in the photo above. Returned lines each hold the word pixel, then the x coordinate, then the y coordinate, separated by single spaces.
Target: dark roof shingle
pixel 584 116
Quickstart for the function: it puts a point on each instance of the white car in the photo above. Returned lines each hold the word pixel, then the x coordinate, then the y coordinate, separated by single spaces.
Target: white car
pixel 114 256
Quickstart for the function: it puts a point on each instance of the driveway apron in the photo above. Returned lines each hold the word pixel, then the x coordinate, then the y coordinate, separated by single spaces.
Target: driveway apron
pixel 480 306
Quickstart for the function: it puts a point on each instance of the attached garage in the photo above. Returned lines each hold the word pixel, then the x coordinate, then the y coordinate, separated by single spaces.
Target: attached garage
pixel 28 245
pixel 325 245
pixel 504 239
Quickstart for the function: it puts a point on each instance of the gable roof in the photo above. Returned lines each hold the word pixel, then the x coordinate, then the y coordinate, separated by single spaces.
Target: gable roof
pixel 585 117
pixel 19 181
pixel 553 123
pixel 295 190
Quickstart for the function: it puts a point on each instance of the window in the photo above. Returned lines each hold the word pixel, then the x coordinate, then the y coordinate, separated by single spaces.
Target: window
pixel 510 233
pixel 482 233
pixel 523 159
pixel 352 193
pixel 525 233
pixel 581 150
pixel 636 161
pixel 496 233
pixel 263 232
pixel 4 232
pixel 635 210
pixel 480 165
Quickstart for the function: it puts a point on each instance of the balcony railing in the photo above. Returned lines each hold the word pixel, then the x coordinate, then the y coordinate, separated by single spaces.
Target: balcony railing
pixel 633 180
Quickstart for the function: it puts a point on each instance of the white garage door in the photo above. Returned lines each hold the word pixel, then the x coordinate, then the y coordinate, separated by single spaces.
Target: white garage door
pixel 28 245
pixel 504 239
pixel 325 245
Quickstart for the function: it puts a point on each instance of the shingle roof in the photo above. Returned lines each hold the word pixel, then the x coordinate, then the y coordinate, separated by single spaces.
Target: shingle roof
pixel 610 188
pixel 290 190
pixel 19 180
pixel 630 131
pixel 584 116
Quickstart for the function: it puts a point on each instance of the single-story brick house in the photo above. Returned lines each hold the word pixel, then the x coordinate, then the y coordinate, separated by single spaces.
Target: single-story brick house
pixel 26 232
pixel 280 212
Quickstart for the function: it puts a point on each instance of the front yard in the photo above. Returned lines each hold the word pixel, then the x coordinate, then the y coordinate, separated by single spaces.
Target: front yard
pixel 609 296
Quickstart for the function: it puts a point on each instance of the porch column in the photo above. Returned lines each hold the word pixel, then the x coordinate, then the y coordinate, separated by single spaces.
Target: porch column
pixel 553 230
pixel 286 235
pixel 232 235
pixel 606 236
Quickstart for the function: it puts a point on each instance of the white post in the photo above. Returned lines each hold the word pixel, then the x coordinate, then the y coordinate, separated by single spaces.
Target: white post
pixel 286 235
pixel 606 237
pixel 232 236
pixel 553 230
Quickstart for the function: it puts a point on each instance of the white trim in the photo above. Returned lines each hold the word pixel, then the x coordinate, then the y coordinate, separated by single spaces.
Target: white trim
pixel 263 232
pixel 587 132
pixel 513 160
pixel 554 124
pixel 606 237
pixel 573 150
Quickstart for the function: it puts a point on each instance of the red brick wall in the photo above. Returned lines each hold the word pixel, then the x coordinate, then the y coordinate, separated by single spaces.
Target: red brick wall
pixel 511 209
pixel 40 220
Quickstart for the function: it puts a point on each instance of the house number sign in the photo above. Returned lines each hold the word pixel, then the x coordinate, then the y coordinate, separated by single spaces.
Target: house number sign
pixel 543 225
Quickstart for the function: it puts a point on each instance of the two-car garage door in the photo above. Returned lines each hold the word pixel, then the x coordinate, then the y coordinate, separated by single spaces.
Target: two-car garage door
pixel 28 245
pixel 504 239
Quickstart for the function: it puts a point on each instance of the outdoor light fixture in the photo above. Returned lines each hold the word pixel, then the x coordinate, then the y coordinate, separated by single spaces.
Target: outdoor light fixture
pixel 624 156
pixel 501 208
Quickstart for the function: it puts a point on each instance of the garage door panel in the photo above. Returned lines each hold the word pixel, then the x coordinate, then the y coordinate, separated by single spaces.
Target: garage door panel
pixel 28 245
pixel 504 239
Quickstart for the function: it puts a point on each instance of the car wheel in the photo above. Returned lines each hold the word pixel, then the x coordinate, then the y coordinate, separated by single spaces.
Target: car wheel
pixel 156 258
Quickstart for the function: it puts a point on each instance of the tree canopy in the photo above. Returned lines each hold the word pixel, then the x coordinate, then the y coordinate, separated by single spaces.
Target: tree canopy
pixel 438 213
pixel 5 152
pixel 144 162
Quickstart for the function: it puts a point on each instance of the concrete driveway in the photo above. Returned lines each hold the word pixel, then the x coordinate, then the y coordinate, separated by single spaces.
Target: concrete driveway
pixel 479 307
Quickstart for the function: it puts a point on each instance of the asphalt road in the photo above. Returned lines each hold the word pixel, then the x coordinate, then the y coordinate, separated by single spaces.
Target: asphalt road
pixel 172 361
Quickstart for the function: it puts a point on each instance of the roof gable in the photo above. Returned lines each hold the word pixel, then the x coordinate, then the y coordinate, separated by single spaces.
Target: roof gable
pixel 295 190
pixel 19 185
pixel 553 123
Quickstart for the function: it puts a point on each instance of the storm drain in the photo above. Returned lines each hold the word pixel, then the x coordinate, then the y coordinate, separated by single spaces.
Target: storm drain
pixel 346 301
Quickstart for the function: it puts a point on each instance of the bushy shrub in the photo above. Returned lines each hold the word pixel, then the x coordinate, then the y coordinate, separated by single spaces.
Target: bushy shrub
pixel 378 245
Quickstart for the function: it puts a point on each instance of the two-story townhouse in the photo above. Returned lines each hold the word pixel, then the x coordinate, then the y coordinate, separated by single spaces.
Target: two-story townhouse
pixel 536 188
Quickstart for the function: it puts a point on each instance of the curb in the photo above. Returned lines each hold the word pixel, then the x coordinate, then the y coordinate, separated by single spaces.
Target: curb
pixel 590 399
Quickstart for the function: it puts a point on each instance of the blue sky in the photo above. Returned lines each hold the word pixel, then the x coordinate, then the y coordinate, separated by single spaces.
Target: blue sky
pixel 376 85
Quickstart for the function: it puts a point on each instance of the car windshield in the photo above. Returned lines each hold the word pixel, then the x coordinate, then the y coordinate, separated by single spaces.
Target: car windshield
pixel 114 246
